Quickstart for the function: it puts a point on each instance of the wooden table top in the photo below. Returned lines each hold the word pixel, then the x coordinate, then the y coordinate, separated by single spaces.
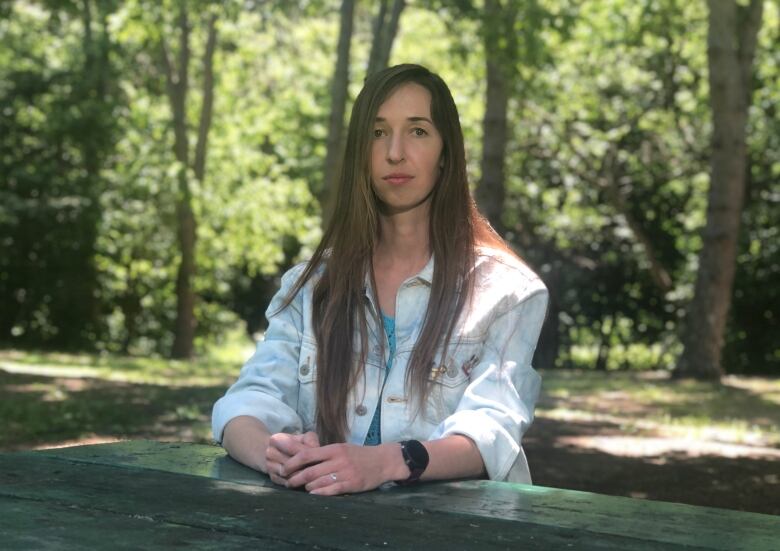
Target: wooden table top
pixel 146 495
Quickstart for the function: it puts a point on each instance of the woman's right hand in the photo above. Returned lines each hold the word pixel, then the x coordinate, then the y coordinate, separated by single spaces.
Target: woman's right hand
pixel 281 447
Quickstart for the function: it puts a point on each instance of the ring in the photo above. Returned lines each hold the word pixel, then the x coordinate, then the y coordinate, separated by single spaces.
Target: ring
pixel 333 477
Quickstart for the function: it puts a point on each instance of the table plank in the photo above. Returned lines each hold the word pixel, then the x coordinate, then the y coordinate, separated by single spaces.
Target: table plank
pixel 281 517
pixel 29 524
pixel 671 523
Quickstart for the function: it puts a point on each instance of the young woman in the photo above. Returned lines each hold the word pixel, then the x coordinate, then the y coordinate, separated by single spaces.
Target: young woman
pixel 402 350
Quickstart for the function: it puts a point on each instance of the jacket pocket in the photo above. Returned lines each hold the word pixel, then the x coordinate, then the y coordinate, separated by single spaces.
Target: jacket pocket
pixel 451 375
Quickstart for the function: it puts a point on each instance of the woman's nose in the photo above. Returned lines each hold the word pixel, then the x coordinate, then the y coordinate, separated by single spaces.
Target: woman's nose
pixel 395 149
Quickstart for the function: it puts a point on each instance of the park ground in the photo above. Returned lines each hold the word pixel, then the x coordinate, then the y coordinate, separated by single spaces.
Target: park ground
pixel 636 434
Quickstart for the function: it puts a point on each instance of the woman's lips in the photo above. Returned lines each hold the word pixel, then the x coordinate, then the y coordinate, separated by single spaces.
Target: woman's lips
pixel 397 178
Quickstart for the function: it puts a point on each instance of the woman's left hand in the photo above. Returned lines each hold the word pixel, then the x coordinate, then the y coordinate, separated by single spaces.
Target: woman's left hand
pixel 340 468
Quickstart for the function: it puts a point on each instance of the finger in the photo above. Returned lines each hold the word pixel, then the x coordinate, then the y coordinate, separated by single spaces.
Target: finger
pixel 287 444
pixel 275 477
pixel 305 458
pixel 311 439
pixel 335 489
pixel 328 479
pixel 273 455
pixel 321 473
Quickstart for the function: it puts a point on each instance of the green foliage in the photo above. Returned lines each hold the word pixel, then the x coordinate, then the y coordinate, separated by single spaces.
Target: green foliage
pixel 56 129
pixel 607 166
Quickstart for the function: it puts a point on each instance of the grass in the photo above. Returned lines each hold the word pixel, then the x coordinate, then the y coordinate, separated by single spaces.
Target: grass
pixel 49 399
pixel 52 399
pixel 741 410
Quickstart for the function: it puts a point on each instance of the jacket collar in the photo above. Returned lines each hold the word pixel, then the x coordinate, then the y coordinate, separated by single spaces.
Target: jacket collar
pixel 425 275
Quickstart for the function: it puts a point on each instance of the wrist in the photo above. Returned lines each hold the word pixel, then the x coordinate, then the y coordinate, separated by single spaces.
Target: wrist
pixel 394 466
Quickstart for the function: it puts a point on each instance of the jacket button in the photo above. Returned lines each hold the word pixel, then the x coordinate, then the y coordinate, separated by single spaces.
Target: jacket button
pixel 304 370
pixel 361 410
pixel 452 372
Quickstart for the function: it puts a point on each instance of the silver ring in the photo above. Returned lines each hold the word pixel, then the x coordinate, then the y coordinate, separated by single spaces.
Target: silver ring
pixel 333 477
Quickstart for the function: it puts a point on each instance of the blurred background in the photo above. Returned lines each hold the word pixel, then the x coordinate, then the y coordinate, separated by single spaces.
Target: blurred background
pixel 163 162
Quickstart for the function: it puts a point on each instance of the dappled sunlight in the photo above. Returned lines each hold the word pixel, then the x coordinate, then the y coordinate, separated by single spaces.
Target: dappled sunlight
pixel 201 372
pixel 82 441
pixel 638 446
pixel 742 411
pixel 765 388
pixel 41 411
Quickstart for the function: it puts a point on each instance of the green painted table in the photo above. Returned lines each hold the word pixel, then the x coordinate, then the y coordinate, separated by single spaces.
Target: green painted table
pixel 145 495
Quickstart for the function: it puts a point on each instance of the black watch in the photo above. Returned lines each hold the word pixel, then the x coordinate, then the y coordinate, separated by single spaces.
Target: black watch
pixel 416 458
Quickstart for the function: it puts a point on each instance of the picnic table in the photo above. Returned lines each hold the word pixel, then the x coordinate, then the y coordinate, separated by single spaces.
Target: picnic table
pixel 146 495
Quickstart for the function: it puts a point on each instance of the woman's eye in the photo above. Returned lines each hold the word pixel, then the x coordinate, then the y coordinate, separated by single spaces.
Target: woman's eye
pixel 419 132
pixel 378 132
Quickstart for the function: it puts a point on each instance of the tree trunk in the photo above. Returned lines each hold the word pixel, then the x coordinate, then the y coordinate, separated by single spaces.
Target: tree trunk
pixel 605 342
pixel 338 94
pixel 177 86
pixel 731 44
pixel 178 83
pixel 201 146
pixel 549 339
pixel 385 30
pixel 490 193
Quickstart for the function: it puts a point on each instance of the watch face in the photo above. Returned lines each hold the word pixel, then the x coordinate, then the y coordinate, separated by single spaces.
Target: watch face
pixel 416 455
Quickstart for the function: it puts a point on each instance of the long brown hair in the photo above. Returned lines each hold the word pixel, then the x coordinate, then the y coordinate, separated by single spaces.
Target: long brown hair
pixel 339 302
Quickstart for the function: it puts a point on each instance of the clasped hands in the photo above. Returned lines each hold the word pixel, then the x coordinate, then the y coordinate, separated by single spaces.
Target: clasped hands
pixel 298 460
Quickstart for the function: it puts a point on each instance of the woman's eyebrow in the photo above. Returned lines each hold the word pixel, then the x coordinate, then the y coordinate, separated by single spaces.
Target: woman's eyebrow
pixel 410 119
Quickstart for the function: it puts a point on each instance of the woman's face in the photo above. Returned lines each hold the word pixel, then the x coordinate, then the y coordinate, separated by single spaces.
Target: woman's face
pixel 406 149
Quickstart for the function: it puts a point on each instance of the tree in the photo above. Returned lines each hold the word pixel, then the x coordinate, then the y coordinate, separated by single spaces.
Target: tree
pixel 177 79
pixel 500 40
pixel 56 61
pixel 338 95
pixel 385 30
pixel 731 46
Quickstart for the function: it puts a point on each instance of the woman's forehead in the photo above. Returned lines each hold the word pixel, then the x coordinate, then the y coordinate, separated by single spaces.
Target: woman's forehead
pixel 409 100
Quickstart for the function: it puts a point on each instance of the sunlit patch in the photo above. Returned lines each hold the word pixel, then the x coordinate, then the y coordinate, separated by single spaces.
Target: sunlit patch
pixel 761 387
pixel 630 446
pixel 82 441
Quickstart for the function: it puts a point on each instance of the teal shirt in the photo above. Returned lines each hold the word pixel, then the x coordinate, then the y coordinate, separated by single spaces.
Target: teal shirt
pixel 374 436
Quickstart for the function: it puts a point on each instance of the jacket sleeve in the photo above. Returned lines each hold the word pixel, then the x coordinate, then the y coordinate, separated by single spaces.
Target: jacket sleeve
pixel 497 407
pixel 267 387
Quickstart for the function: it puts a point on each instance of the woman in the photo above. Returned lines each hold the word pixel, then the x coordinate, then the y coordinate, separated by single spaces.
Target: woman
pixel 402 350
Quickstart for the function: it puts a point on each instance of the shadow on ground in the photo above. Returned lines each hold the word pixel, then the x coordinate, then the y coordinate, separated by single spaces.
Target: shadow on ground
pixel 38 411
pixel 742 483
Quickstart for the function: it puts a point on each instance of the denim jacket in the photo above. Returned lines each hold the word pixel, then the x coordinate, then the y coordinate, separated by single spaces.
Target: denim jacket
pixel 483 386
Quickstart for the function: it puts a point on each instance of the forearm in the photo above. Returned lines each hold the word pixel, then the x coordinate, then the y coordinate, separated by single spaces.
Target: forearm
pixel 246 439
pixel 454 456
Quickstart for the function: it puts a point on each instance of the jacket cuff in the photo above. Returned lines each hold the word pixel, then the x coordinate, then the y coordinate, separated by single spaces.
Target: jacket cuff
pixel 497 447
pixel 276 415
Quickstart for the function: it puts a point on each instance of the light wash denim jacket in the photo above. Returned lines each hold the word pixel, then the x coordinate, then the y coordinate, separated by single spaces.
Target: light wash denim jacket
pixel 485 387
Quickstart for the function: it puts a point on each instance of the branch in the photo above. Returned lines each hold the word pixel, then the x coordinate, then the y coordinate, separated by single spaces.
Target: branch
pixel 606 180
pixel 376 43
pixel 208 99
pixel 660 275
pixel 747 39
pixel 169 69
pixel 389 35
pixel 184 46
